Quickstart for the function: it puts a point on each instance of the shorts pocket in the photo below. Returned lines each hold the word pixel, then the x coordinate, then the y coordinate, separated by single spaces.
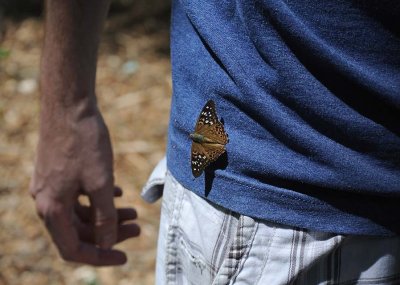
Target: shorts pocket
pixel 153 189
pixel 198 238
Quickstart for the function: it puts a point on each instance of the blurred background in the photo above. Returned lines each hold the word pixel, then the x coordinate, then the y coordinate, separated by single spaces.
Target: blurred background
pixel 134 90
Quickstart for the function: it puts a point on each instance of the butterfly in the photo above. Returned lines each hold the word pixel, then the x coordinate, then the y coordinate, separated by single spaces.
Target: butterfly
pixel 209 139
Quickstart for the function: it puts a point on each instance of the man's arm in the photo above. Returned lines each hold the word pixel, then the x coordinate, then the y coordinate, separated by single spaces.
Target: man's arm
pixel 74 152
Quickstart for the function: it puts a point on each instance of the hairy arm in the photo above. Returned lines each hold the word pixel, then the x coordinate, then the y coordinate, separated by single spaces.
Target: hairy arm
pixel 74 154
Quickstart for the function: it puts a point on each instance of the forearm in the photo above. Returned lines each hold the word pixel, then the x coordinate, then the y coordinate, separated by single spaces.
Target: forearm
pixel 74 154
pixel 68 67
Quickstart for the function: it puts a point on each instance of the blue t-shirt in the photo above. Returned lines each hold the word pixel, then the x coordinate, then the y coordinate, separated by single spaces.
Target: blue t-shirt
pixel 309 92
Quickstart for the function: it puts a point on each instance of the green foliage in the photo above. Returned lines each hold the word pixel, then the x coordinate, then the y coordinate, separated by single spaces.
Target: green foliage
pixel 4 53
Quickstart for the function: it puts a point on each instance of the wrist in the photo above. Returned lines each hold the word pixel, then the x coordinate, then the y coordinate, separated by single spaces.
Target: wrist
pixel 60 120
pixel 68 131
pixel 65 100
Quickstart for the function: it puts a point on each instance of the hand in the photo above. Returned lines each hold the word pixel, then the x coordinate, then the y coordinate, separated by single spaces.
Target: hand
pixel 75 158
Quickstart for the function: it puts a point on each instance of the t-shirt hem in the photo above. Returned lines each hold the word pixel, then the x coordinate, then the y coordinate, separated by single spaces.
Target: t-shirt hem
pixel 271 204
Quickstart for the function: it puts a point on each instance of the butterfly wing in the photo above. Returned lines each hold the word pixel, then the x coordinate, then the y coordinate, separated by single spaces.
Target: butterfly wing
pixel 214 151
pixel 207 117
pixel 203 155
pixel 209 126
pixel 199 159
pixel 216 133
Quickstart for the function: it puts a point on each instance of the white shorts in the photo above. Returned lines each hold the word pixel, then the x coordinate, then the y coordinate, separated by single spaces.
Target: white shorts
pixel 202 243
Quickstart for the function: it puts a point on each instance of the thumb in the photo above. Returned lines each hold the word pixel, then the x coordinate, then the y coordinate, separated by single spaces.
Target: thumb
pixel 105 217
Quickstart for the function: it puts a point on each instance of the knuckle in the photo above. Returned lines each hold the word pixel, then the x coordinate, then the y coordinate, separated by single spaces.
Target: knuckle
pixel 101 183
pixel 34 189
pixel 47 208
pixel 42 208
pixel 105 220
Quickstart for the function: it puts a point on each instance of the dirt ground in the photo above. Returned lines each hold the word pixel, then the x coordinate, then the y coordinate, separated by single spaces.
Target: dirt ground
pixel 134 91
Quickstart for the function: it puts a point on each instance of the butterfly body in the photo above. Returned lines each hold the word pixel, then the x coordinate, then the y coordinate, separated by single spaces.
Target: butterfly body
pixel 198 138
pixel 209 139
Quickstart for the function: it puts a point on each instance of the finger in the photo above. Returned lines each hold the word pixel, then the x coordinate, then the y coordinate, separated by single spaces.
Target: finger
pixel 104 217
pixel 58 219
pixel 90 254
pixel 126 231
pixel 117 191
pixel 124 214
pixel 101 257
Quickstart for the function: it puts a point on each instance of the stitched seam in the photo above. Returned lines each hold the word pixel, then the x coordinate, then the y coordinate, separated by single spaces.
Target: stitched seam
pixel 171 275
pixel 267 255
pixel 258 189
pixel 249 245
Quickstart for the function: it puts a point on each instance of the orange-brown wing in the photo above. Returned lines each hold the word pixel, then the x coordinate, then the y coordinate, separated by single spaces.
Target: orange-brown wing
pixel 199 159
pixel 207 117
pixel 202 155
pixel 209 126
pixel 216 133
pixel 214 151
